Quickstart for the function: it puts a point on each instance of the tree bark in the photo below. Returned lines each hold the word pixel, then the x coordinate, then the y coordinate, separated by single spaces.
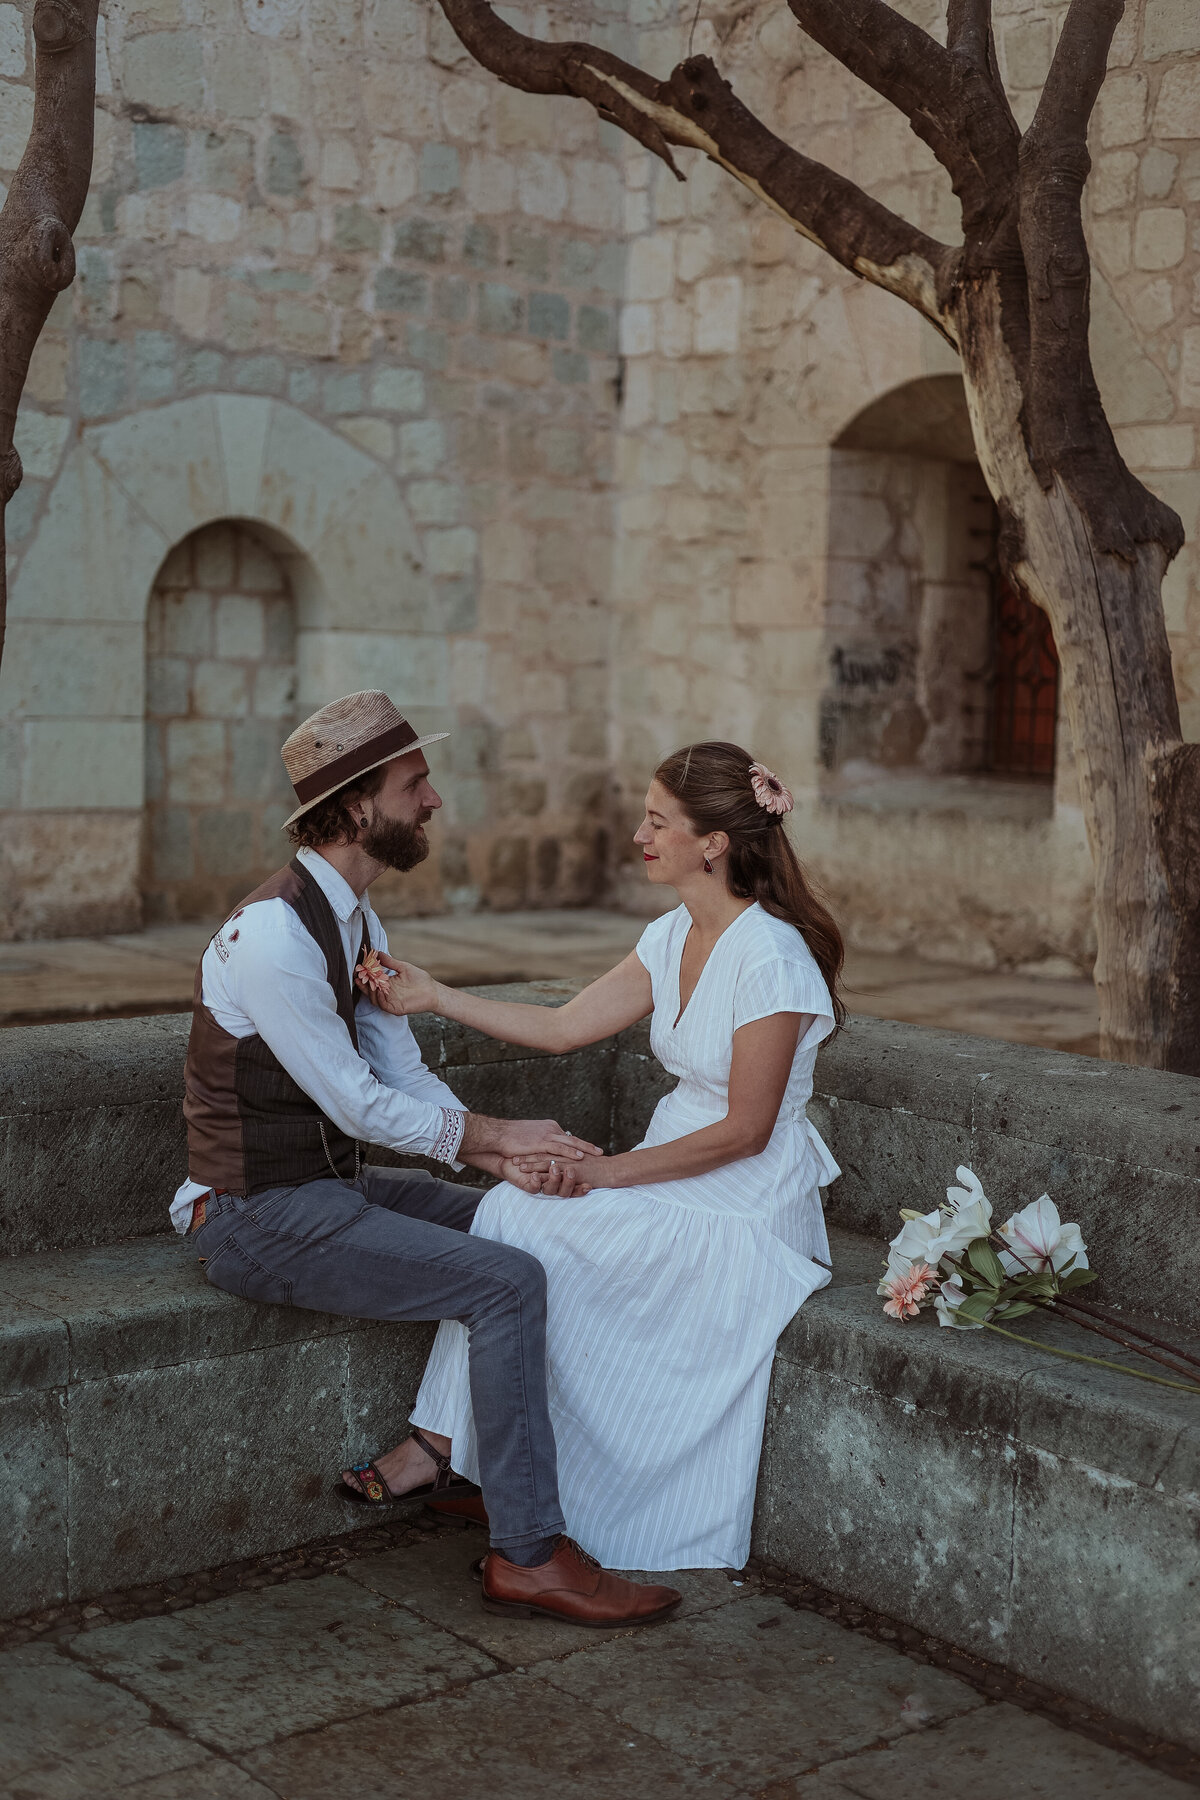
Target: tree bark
pixel 1080 535
pixel 37 256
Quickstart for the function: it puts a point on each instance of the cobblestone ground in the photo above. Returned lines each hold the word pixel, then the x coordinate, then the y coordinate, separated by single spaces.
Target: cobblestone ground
pixel 365 1665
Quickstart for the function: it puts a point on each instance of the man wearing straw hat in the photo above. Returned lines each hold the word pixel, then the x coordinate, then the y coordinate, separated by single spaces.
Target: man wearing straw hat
pixel 286 1077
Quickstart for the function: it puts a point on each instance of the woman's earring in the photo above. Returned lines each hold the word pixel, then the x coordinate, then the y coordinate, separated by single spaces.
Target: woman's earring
pixel 708 868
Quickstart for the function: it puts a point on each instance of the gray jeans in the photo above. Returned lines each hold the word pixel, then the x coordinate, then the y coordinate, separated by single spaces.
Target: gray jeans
pixel 394 1245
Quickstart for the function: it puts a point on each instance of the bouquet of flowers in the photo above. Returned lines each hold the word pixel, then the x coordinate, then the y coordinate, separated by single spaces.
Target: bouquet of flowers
pixel 974 1275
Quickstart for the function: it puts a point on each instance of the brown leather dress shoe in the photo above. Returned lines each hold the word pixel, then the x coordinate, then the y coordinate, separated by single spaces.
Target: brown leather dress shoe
pixel 572 1586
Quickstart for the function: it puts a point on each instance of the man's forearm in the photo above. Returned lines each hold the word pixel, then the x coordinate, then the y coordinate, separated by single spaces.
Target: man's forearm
pixel 520 1137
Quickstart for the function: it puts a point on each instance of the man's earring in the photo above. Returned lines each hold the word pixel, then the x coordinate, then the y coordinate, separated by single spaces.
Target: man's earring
pixel 708 868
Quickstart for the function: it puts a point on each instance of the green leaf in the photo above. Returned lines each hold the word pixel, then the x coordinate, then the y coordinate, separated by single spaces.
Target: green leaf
pixel 983 1258
pixel 1079 1278
pixel 1063 1267
pixel 1038 1285
pixel 978 1305
pixel 1016 1309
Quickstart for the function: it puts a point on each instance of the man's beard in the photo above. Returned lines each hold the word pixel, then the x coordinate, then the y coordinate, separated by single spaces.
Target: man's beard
pixel 396 843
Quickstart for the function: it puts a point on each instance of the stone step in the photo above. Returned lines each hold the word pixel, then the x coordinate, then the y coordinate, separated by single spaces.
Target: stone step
pixel 154 1425
pixel 1040 1512
pixel 1037 1512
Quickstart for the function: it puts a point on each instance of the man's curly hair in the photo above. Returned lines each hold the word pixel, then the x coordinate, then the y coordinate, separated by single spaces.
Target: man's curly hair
pixel 330 820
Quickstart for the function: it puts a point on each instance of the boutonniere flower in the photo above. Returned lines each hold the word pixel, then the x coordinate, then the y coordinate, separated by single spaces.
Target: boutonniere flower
pixel 372 973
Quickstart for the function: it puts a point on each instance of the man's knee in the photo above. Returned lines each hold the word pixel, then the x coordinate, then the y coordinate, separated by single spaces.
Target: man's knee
pixel 515 1274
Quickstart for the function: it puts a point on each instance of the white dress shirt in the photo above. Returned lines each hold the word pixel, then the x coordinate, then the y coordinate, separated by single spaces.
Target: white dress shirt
pixel 264 972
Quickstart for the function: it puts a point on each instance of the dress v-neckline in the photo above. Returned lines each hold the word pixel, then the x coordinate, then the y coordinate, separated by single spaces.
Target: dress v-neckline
pixel 720 939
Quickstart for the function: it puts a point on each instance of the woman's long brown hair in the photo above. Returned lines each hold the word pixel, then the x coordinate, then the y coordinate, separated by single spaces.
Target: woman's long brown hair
pixel 712 783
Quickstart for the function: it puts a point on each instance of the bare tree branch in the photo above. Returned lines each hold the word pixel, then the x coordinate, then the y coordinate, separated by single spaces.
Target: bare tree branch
pixel 951 101
pixel 1068 430
pixel 971 39
pixel 892 55
pixel 969 30
pixel 696 107
pixel 37 256
pixel 1076 72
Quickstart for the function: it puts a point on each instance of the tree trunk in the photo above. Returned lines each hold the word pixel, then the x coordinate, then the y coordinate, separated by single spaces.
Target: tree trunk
pixel 37 256
pixel 1106 613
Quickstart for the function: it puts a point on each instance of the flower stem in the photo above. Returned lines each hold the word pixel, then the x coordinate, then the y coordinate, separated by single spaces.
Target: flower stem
pixel 1087 1314
pixel 1100 1362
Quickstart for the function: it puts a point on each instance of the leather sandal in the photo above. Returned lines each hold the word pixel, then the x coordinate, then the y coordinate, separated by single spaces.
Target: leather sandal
pixel 376 1492
pixel 572 1587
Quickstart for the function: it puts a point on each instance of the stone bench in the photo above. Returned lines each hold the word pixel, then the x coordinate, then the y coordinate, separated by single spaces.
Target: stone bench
pixel 1036 1511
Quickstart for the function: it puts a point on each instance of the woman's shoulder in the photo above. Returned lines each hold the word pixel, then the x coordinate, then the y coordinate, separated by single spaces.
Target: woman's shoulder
pixel 773 943
pixel 658 932
pixel 768 936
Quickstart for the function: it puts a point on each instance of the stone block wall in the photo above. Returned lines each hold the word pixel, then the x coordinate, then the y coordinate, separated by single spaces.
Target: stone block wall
pixel 548 445
pixel 398 283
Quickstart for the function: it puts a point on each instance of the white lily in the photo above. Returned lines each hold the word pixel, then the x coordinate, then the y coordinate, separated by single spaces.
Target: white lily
pixel 1041 1241
pixel 967 1215
pixel 971 1190
pixel 950 1296
pixel 911 1243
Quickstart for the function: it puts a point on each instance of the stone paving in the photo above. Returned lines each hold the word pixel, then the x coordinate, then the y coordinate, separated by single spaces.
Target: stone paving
pixel 380 1673
pixel 152 971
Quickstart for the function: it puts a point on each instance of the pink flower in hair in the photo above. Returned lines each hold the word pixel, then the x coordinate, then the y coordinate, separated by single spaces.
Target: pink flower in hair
pixel 769 791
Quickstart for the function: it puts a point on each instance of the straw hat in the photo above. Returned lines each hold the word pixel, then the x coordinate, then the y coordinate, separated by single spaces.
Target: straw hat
pixel 345 739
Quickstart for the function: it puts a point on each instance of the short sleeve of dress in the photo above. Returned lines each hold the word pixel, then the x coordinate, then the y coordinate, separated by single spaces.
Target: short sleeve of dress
pixel 783 985
pixel 651 947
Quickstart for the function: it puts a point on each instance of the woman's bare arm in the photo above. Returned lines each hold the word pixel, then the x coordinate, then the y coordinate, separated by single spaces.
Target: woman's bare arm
pixel 616 1000
pixel 758 1078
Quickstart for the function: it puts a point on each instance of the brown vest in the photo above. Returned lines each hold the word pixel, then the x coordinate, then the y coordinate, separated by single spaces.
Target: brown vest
pixel 249 1125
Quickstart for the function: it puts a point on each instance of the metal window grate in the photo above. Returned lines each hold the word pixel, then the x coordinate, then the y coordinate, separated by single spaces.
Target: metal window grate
pixel 1024 687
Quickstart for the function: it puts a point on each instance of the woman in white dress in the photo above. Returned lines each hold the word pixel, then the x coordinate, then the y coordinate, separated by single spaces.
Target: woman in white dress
pixel 672 1268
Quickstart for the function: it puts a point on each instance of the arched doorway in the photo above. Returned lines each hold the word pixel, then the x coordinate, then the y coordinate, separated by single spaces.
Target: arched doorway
pixel 220 699
pixel 934 662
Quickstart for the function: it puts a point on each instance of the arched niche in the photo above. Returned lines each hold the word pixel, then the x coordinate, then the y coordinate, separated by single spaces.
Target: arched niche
pixel 221 685
pixel 72 684
pixel 934 667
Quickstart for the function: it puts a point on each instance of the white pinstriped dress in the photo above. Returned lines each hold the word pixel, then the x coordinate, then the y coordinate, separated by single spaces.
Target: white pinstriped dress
pixel 665 1300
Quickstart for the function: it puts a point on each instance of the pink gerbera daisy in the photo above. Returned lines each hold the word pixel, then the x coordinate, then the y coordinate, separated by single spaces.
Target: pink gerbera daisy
pixel 769 791
pixel 905 1292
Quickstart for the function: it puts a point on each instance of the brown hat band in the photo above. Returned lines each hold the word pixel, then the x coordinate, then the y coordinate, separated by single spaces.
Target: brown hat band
pixel 354 762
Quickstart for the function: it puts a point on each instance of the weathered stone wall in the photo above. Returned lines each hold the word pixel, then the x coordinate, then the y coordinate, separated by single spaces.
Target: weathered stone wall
pixel 337 282
pixel 400 283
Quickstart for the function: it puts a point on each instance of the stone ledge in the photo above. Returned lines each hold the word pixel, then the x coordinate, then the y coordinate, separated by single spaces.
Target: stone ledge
pixel 1037 1512
pixel 151 1425
pixel 1117 1148
pixel 982 1385
pixel 117 1309
pixel 92 1145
